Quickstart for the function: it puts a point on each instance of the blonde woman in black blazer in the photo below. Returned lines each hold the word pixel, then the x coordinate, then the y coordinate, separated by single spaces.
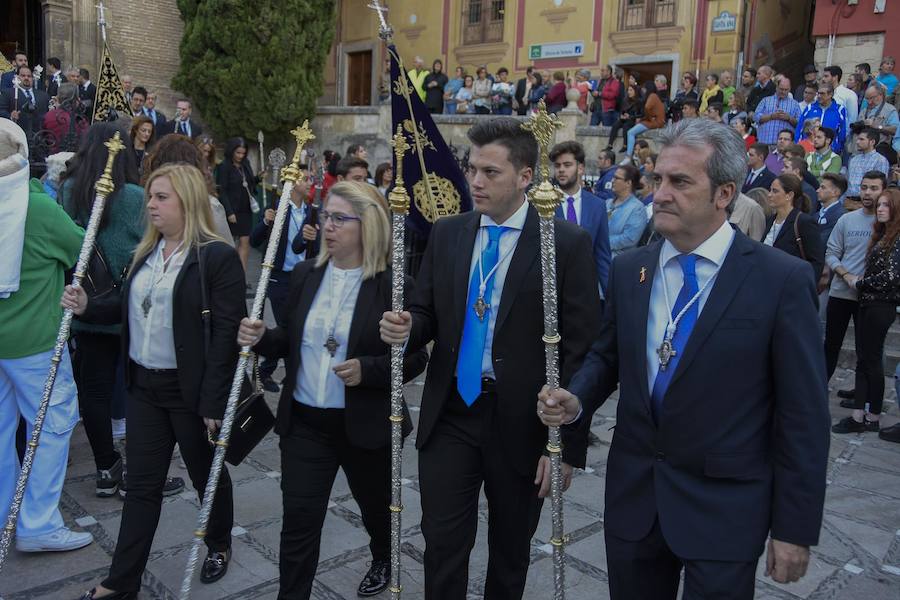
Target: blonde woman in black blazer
pixel 176 383
pixel 335 400
pixel 791 229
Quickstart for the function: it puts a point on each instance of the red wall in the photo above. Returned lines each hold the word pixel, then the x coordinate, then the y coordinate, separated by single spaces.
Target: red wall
pixel 861 19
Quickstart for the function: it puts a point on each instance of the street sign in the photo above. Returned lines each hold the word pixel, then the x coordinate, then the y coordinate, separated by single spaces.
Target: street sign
pixel 555 50
pixel 726 21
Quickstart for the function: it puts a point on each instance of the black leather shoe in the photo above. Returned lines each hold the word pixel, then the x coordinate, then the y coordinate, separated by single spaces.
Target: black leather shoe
pixel 848 394
pixel 891 434
pixel 376 580
pixel 848 403
pixel 89 595
pixel 215 566
pixel 851 425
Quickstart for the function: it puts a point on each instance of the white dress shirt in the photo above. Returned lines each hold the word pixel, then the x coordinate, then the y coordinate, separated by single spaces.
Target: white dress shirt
pixel 773 233
pixel 711 254
pixel 508 241
pixel 850 101
pixel 151 341
pixel 317 385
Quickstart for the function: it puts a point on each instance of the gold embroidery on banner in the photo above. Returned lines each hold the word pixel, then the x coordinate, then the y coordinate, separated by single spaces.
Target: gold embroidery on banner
pixel 447 200
pixel 110 93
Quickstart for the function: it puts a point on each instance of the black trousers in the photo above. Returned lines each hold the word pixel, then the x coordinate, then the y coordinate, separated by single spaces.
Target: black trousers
pixel 649 570
pixel 463 452
pixel 279 286
pixel 311 453
pixel 620 124
pixel 837 317
pixel 157 418
pixel 873 322
pixel 97 360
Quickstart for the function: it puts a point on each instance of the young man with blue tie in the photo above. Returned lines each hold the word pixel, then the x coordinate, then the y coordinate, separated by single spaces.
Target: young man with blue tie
pixel 721 439
pixel 479 298
pixel 580 206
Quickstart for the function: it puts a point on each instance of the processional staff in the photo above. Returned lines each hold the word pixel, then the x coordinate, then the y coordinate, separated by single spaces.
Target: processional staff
pixel 290 174
pixel 546 197
pixel 103 188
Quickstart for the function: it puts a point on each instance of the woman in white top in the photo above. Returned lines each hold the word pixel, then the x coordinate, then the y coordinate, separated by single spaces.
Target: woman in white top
pixel 335 400
pixel 790 228
pixel 181 357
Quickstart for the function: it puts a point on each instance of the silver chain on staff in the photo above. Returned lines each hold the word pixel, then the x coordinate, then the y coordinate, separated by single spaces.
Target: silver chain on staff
pixel 545 197
pixel 290 174
pixel 103 188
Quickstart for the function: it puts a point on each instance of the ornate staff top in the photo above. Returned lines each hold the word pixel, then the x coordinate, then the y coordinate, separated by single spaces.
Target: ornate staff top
pixel 386 32
pixel 104 185
pixel 302 135
pixel 399 197
pixel 545 196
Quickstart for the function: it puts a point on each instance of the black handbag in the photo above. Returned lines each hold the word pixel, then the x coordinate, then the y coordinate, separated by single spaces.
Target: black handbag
pixel 253 419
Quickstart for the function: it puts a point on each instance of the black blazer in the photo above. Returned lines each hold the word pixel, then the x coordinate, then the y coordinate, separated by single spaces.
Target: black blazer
pixel 169 127
pixel 758 93
pixel 259 237
pixel 763 180
pixel 88 96
pixel 742 444
pixel 438 310
pixel 31 115
pixel 230 186
pixel 367 405
pixel 809 235
pixel 519 95
pixel 204 376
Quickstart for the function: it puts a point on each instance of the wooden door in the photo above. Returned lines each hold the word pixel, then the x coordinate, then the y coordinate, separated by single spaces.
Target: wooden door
pixel 648 71
pixel 359 78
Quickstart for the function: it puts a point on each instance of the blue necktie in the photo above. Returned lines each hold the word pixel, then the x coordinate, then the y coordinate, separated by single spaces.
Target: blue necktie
pixel 689 288
pixel 471 348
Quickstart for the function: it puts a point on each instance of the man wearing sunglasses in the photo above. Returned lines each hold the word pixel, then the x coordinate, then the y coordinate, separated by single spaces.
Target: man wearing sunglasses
pixel 829 113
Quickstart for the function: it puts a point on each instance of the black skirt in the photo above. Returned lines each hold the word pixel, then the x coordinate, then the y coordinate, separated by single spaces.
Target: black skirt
pixel 242 227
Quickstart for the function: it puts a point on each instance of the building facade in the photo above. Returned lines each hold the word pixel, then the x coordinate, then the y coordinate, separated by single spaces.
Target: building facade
pixel 644 37
pixel 855 33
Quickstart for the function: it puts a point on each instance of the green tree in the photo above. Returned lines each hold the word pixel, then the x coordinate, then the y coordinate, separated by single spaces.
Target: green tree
pixel 251 65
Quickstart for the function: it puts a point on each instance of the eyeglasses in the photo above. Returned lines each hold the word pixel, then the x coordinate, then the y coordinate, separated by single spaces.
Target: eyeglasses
pixel 337 219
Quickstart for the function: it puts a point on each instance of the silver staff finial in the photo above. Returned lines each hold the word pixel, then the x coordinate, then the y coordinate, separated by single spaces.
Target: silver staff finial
pixel 101 19
pixel 386 32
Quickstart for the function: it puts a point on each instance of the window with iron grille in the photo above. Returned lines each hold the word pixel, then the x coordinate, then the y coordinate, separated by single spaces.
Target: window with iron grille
pixel 644 14
pixel 483 21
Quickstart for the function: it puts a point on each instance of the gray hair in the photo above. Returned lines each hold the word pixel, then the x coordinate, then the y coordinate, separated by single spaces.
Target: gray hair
pixel 67 92
pixel 584 73
pixel 727 161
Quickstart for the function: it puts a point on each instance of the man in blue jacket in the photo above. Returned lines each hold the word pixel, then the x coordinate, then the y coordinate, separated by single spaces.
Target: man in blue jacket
pixel 580 206
pixel 606 162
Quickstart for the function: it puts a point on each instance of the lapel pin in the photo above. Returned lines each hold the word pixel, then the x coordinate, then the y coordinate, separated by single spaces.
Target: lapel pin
pixel 643 275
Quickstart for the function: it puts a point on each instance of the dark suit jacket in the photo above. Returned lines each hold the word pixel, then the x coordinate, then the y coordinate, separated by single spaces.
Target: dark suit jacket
pixel 594 221
pixel 259 237
pixel 30 121
pixel 52 86
pixel 204 376
pixel 160 120
pixel 831 217
pixel 169 127
pixel 758 93
pixel 808 228
pixel 763 180
pixel 438 310
pixel 519 95
pixel 742 444
pixel 367 405
pixel 88 96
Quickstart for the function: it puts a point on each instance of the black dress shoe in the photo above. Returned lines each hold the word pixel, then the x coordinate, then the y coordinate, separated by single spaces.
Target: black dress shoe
pixel 890 434
pixel 215 566
pixel 848 394
pixel 848 403
pixel 376 580
pixel 851 425
pixel 89 595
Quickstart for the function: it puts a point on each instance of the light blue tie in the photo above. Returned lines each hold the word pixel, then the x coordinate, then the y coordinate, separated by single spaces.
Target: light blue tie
pixel 471 347
pixel 689 288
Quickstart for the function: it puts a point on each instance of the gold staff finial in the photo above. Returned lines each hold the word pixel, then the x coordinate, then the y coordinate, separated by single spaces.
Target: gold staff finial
pixel 399 197
pixel 105 184
pixel 545 196
pixel 302 135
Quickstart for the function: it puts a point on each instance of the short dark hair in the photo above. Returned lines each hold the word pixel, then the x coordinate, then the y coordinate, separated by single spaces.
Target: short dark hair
pixel 835 71
pixel 871 133
pixel 140 90
pixel 350 162
pixel 828 132
pixel 507 132
pixel 750 70
pixel 20 67
pixel 865 67
pixel 716 106
pixel 502 70
pixel 608 155
pixel 713 76
pixel 797 163
pixel 19 53
pixel 55 62
pixel 380 170
pixel 796 150
pixel 569 147
pixel 84 73
pixel 692 103
pixel 836 179
pixel 790 132
pixel 813 85
pixel 632 174
pixel 876 175
pixel 761 149
pixel 354 148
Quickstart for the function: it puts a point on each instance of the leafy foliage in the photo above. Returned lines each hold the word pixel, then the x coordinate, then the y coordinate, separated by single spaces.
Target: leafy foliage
pixel 254 65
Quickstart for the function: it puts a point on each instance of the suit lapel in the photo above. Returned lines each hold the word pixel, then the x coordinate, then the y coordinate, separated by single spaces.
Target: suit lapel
pixel 523 258
pixel 734 270
pixel 788 224
pixel 463 252
pixel 304 303
pixel 641 288
pixel 368 292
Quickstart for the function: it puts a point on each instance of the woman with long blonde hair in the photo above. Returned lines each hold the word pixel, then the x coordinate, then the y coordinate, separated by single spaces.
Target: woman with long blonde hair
pixel 335 400
pixel 179 308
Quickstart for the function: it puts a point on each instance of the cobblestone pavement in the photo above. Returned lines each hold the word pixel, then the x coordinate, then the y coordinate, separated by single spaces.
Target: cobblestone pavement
pixel 858 555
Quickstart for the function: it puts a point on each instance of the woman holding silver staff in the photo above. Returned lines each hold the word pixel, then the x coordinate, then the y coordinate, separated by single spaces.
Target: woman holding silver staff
pixel 335 400
pixel 180 308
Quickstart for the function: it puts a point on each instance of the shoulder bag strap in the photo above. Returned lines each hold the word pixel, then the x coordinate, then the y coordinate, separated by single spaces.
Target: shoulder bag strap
pixel 797 237
pixel 205 315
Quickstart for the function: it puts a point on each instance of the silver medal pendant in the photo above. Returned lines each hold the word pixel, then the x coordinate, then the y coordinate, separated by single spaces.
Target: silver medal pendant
pixel 145 305
pixel 665 352
pixel 331 345
pixel 481 308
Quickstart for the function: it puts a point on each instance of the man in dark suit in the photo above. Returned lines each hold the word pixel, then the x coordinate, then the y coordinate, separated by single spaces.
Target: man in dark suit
pixel 24 104
pixel 520 95
pixel 478 297
pixel 721 436
pixel 580 206
pixel 764 87
pixel 182 123
pixel 759 176
pixel 831 188
pixel 87 91
pixel 157 116
pixel 298 242
pixel 54 76
pixel 6 79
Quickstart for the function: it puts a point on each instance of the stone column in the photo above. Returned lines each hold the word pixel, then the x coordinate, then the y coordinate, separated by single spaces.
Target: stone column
pixel 58 30
pixel 86 44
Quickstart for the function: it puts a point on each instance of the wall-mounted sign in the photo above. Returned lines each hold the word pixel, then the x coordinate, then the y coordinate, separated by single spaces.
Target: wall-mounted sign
pixel 726 21
pixel 555 50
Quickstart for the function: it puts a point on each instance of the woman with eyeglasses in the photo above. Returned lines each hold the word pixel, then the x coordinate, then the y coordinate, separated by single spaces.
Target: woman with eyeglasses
pixel 335 400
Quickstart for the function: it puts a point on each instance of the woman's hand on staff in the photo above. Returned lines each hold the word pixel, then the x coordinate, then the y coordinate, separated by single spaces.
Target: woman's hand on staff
pixel 212 425
pixel 75 299
pixel 350 371
pixel 250 331
pixel 310 232
pixel 395 327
